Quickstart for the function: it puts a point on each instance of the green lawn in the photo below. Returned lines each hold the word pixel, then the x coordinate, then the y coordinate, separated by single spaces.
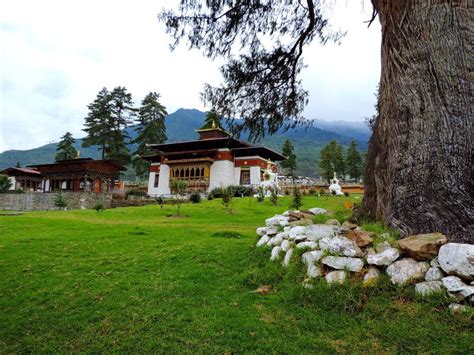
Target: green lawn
pixel 137 280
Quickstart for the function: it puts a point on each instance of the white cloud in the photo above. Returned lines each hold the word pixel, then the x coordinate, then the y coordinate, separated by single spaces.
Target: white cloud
pixel 56 56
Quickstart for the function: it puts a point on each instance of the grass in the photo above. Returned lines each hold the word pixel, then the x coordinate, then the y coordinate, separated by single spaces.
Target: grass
pixel 135 280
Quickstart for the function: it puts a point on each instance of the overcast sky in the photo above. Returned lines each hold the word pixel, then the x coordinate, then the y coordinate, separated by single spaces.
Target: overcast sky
pixel 56 55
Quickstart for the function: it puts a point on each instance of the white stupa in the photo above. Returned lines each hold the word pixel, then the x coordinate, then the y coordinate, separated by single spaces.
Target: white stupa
pixel 335 187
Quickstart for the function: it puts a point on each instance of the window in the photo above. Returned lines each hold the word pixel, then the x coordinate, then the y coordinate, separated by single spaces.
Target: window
pixel 157 179
pixel 245 177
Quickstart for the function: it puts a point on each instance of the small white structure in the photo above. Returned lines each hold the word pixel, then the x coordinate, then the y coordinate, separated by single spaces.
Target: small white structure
pixel 335 187
pixel 270 180
pixel 215 160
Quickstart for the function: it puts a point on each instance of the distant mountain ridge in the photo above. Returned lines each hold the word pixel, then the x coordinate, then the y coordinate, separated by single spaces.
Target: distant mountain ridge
pixel 182 124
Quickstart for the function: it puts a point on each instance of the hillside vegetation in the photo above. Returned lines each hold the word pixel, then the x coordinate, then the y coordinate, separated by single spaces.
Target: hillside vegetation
pixel 139 280
pixel 182 124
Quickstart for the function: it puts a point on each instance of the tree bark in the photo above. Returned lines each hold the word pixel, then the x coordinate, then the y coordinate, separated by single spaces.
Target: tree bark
pixel 419 173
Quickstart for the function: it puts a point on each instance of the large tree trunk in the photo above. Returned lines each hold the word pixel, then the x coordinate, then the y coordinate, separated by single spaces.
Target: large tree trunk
pixel 419 175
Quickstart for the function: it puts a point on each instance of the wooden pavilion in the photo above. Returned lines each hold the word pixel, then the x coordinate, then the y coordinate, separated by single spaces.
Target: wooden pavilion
pixel 25 179
pixel 80 175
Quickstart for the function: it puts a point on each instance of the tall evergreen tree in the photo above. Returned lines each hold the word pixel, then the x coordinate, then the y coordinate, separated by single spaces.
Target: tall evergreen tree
pixel 331 160
pixel 212 118
pixel 290 163
pixel 97 125
pixel 108 115
pixel 65 148
pixel 354 161
pixel 18 165
pixel 151 129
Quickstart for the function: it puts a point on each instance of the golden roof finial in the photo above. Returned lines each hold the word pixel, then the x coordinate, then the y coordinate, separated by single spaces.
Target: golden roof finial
pixel 213 124
pixel 78 155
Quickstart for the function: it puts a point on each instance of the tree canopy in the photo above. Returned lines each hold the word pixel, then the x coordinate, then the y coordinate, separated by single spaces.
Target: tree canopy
pixel 262 84
pixel 212 118
pixel 151 129
pixel 290 163
pixel 108 115
pixel 65 148
pixel 331 160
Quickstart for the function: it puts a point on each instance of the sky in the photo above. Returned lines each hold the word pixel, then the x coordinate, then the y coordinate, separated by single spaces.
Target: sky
pixel 55 56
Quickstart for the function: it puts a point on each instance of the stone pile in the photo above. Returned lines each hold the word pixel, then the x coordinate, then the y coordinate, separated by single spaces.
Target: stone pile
pixel 333 251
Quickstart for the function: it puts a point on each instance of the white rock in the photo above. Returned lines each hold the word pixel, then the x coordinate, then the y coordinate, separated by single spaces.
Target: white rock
pixel 340 245
pixel 261 231
pixel 315 232
pixel 343 263
pixel 272 230
pixel 457 259
pixel 276 240
pixel 285 245
pixel 386 257
pixel 371 276
pixel 296 231
pixel 317 210
pixel 275 253
pixel 277 220
pixel 286 213
pixel 407 269
pixel 455 285
pixel 283 235
pixel 310 257
pixel 262 241
pixel 311 245
pixel 429 287
pixel 314 271
pixel 286 229
pixel 458 308
pixel 336 277
pixel 286 260
pixel 434 274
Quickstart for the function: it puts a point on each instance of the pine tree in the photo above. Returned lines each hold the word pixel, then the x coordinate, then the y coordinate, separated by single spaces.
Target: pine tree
pixel 339 163
pixel 212 118
pixel 65 149
pixel 354 161
pixel 290 163
pixel 151 129
pixel 97 123
pixel 18 165
pixel 108 116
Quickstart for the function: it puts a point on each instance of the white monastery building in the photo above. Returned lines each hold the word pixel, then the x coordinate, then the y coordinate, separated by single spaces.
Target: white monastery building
pixel 214 160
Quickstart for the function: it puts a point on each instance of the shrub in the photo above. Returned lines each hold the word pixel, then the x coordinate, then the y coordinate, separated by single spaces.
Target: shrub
pixel 312 191
pixel 333 192
pixel 274 196
pixel 260 194
pixel 5 183
pixel 210 196
pixel 195 197
pixel 346 193
pixel 227 195
pixel 238 191
pixel 178 187
pixel 99 206
pixel 59 201
pixel 322 192
pixel 297 203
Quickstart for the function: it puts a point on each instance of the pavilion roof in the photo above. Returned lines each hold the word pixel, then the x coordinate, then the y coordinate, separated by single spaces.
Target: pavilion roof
pixel 26 171
pixel 197 145
pixel 260 151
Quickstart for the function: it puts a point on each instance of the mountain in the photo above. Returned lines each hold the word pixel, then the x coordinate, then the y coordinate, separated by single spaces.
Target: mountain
pixel 181 126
